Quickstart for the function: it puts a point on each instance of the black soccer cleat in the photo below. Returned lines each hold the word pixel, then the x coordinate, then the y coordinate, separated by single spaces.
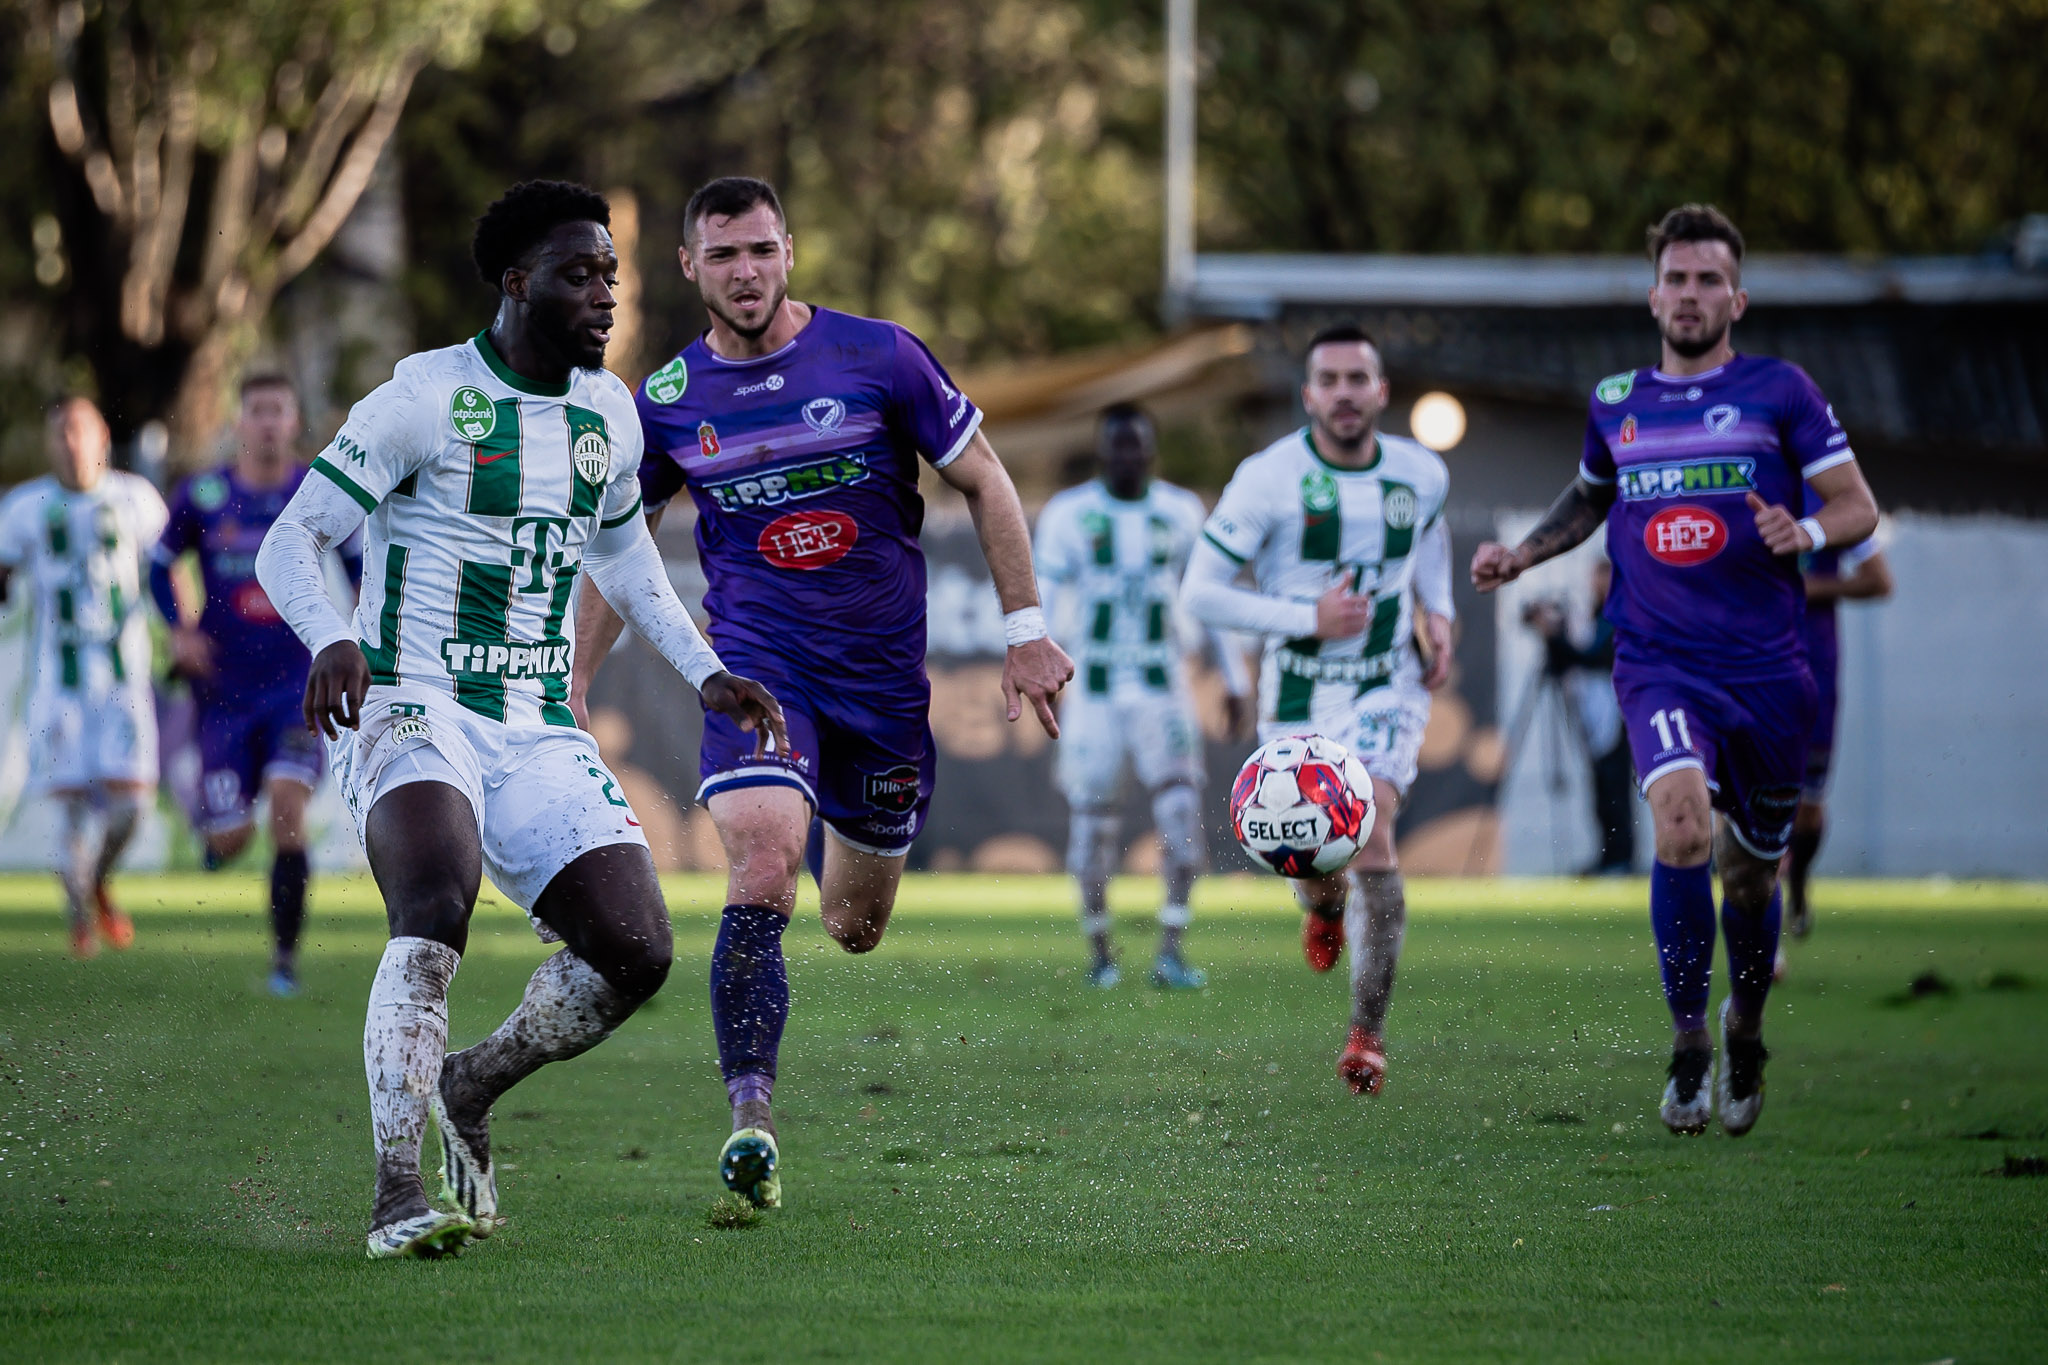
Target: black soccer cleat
pixel 1688 1102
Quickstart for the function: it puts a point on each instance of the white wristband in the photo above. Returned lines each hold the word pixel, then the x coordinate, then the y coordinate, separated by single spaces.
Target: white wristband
pixel 1022 626
pixel 1812 527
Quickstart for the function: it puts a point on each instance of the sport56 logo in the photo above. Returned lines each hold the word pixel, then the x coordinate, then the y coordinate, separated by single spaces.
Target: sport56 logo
pixel 1685 535
pixel 808 540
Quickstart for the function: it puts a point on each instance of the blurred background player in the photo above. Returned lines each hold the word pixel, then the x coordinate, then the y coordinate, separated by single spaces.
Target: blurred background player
pixel 78 535
pixel 1342 527
pixel 246 668
pixel 1693 466
pixel 1856 573
pixel 1586 671
pixel 1110 554
pixel 799 432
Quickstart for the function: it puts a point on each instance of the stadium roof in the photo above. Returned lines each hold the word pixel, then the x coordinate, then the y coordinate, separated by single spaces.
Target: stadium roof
pixel 1263 286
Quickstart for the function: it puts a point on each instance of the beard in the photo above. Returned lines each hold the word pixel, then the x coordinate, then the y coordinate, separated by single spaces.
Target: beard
pixel 754 332
pixel 554 331
pixel 1692 348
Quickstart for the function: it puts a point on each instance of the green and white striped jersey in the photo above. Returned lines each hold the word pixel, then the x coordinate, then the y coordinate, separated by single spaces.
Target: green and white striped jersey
pixel 1304 525
pixel 79 554
pixel 482 489
pixel 1120 560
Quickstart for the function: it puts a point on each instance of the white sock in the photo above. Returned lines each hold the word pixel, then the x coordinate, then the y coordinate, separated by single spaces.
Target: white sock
pixel 1092 841
pixel 119 813
pixel 404 1036
pixel 84 833
pixel 568 1009
pixel 1177 814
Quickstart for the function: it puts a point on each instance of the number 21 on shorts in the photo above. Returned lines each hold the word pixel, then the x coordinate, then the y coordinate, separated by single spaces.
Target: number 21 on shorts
pixel 1665 721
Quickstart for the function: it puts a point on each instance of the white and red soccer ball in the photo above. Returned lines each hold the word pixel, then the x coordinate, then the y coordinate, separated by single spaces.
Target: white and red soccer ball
pixel 1302 805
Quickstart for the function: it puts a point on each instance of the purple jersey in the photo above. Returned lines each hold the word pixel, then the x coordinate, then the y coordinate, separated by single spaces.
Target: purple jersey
pixel 256 655
pixel 803 466
pixel 1693 581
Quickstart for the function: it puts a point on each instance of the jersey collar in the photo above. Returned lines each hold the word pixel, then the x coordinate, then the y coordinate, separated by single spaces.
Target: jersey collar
pixel 1379 452
pixel 511 377
pixel 1718 370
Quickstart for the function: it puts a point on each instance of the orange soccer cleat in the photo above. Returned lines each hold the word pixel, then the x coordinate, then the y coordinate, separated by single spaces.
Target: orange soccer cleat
pixel 115 926
pixel 84 942
pixel 1322 939
pixel 1363 1063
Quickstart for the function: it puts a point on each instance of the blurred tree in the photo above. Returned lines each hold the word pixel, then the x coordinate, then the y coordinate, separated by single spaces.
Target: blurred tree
pixel 1512 125
pixel 206 153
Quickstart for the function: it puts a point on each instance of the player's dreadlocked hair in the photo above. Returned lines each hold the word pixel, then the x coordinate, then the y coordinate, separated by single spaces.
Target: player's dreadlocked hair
pixel 729 196
pixel 1693 223
pixel 525 214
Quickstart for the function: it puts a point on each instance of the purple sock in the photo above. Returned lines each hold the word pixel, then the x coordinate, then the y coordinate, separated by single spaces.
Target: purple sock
pixel 1752 952
pixel 1682 914
pixel 749 991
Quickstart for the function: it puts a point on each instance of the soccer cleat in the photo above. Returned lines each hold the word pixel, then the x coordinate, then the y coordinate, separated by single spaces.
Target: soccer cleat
pixel 1363 1063
pixel 1172 974
pixel 1799 917
pixel 115 926
pixel 1322 939
pixel 428 1236
pixel 1104 975
pixel 1688 1102
pixel 1779 964
pixel 467 1180
pixel 85 943
pixel 1739 1080
pixel 283 984
pixel 747 1164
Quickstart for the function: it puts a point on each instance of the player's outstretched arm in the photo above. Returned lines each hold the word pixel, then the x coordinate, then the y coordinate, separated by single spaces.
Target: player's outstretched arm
pixel 597 629
pixel 626 569
pixel 1034 668
pixel 319 515
pixel 1574 516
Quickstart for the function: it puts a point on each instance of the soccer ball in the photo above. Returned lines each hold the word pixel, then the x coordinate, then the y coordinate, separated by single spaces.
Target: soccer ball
pixel 1302 805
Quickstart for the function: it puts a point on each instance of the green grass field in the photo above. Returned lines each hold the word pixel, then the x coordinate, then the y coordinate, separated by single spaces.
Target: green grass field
pixel 985 1160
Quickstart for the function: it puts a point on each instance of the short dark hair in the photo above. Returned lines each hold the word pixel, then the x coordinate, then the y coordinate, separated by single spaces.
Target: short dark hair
pixel 1693 223
pixel 1336 332
pixel 729 196
pixel 1121 414
pixel 523 216
pixel 268 379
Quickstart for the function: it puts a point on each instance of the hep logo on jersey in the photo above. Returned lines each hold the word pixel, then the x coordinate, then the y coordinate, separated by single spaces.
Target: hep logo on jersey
pixel 808 540
pixel 1685 535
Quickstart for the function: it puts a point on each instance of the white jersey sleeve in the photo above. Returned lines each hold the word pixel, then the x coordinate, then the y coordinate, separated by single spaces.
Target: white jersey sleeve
pixel 1243 516
pixel 18 524
pixel 1433 571
pixel 388 435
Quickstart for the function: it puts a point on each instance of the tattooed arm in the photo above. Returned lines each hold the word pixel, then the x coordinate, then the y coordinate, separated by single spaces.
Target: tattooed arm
pixel 1578 510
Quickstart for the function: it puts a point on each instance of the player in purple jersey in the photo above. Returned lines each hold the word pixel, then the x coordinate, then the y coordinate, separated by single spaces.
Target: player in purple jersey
pixel 246 667
pixel 1856 573
pixel 1692 466
pixel 798 432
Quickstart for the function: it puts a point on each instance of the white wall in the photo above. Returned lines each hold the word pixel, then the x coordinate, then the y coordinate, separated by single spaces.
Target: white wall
pixel 1944 711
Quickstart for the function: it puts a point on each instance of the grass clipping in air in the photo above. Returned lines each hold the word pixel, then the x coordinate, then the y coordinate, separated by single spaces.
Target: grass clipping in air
pixel 729 1212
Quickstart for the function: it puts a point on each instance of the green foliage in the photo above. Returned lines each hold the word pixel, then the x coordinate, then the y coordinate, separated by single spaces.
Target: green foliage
pixel 1504 125
pixel 1104 1175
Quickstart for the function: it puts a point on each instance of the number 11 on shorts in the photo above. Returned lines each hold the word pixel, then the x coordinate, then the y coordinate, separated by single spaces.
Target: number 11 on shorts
pixel 1665 721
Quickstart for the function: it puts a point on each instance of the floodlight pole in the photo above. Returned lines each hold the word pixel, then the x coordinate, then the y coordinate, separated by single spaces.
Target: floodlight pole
pixel 1180 159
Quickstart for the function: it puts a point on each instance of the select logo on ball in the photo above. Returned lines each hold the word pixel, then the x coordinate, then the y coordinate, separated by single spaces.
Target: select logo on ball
pixel 808 540
pixel 1685 535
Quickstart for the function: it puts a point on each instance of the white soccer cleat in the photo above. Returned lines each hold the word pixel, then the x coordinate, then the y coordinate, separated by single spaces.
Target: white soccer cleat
pixel 1688 1099
pixel 467 1180
pixel 1739 1079
pixel 427 1236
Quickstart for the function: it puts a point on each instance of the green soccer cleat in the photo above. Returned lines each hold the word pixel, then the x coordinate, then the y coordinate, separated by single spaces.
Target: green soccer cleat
pixel 427 1236
pixel 1172 974
pixel 747 1165
pixel 1104 976
pixel 467 1180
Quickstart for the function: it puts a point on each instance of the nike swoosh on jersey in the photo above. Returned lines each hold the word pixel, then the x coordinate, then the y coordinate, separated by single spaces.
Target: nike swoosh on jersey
pixel 482 458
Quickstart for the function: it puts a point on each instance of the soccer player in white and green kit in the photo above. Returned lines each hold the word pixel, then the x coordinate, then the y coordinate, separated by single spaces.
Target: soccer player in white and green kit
pixel 1110 556
pixel 493 474
pixel 1342 528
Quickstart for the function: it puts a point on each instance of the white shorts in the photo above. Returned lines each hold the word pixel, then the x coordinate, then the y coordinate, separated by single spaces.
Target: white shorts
pixel 542 796
pixel 1383 729
pixel 1155 732
pixel 77 738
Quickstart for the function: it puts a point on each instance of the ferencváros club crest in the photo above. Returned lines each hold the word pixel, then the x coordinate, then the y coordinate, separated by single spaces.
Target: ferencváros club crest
pixel 474 415
pixel 593 456
pixel 1398 507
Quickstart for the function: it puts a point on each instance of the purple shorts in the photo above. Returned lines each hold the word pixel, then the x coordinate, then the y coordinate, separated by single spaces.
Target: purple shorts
pixel 1820 748
pixel 243 745
pixel 864 761
pixel 1749 738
